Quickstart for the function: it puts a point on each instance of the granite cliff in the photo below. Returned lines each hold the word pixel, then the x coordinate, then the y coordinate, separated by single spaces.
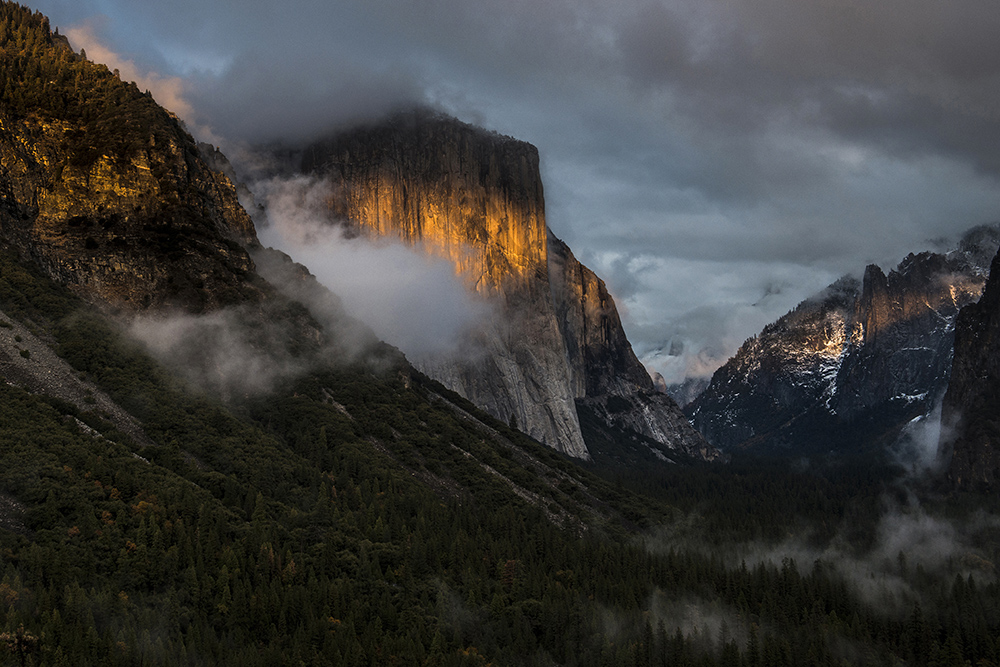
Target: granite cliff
pixel 971 411
pixel 470 196
pixel 476 198
pixel 107 193
pixel 850 367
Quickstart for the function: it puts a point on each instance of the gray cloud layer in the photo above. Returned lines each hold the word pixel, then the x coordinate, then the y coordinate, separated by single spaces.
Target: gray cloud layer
pixel 703 156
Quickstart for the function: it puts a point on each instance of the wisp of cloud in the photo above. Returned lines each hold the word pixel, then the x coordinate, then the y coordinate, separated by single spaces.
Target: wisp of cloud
pixel 230 352
pixel 410 299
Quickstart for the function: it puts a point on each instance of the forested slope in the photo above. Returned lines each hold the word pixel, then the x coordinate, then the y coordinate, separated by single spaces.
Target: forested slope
pixel 348 519
pixel 354 512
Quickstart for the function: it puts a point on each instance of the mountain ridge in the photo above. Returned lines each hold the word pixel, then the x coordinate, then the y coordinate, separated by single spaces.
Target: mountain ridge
pixel 476 198
pixel 851 366
pixel 100 203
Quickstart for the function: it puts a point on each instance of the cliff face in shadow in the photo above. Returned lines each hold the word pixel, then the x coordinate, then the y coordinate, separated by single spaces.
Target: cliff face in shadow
pixel 105 191
pixel 606 378
pixel 475 198
pixel 971 411
pixel 600 358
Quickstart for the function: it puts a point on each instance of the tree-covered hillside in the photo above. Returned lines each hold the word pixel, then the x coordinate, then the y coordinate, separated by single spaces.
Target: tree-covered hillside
pixel 353 512
pixel 362 515
pixel 347 497
pixel 46 79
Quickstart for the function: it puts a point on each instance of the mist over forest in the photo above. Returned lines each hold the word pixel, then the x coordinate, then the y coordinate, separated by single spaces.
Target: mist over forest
pixel 217 445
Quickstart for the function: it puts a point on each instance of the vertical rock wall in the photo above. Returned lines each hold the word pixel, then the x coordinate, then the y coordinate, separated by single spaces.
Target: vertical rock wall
pixel 475 198
pixel 971 411
pixel 472 197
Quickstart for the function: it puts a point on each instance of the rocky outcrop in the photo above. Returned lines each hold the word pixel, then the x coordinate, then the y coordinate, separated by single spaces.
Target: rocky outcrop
pixel 971 410
pixel 107 193
pixel 470 196
pixel 606 377
pixel 476 198
pixel 851 366
pixel 161 229
pixel 904 332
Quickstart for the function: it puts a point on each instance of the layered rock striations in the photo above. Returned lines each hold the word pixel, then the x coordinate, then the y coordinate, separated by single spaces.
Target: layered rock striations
pixel 472 197
pixel 971 410
pixel 476 198
pixel 850 367
pixel 105 190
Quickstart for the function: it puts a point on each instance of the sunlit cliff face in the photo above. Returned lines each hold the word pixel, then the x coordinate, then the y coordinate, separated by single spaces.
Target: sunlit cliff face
pixel 462 194
pixel 887 302
pixel 494 243
pixel 153 227
pixel 883 307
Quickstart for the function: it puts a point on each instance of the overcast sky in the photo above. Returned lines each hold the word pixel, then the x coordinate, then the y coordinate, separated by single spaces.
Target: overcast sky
pixel 715 161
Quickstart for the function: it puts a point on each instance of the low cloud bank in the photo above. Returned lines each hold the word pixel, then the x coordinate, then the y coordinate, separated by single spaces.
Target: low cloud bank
pixel 231 352
pixel 410 299
pixel 355 291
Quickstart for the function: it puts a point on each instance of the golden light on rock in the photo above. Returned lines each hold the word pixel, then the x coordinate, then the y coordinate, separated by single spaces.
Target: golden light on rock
pixel 463 194
pixel 134 228
pixel 491 240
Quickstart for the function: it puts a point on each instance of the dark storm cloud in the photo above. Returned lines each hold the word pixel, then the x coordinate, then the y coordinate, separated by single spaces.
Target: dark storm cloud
pixel 916 75
pixel 720 145
pixel 265 68
pixel 912 76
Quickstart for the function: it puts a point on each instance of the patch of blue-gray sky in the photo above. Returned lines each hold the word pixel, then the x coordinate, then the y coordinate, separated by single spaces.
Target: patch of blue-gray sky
pixel 715 161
